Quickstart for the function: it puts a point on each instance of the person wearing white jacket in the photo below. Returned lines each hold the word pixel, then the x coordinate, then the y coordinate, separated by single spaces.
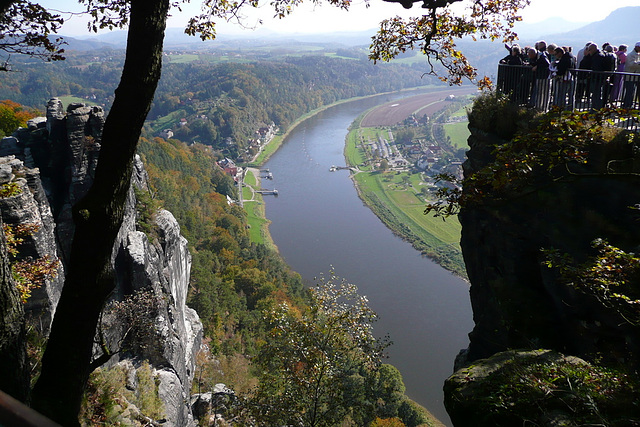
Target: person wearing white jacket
pixel 632 65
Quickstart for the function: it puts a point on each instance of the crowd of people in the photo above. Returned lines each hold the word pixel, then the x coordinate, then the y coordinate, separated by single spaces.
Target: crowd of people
pixel 551 75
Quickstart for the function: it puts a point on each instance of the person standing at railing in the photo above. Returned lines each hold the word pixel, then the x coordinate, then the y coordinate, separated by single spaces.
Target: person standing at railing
pixel 564 81
pixel 621 55
pixel 584 63
pixel 511 81
pixel 540 67
pixel 581 52
pixel 632 65
pixel 599 64
pixel 610 65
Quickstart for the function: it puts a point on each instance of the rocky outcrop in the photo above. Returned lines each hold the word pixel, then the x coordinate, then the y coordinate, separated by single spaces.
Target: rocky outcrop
pixel 53 162
pixel 163 267
pixel 539 387
pixel 29 206
pixel 15 378
pixel 517 301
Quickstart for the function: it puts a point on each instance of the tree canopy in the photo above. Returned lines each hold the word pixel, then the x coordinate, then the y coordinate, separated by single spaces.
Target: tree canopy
pixel 436 31
pixel 313 365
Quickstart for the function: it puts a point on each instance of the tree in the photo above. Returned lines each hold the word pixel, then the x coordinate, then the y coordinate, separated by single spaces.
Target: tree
pixel 25 28
pixel 98 216
pixel 13 116
pixel 436 31
pixel 311 366
pixel 66 363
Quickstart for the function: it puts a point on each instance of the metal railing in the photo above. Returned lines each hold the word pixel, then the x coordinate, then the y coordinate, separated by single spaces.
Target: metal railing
pixel 14 413
pixel 582 90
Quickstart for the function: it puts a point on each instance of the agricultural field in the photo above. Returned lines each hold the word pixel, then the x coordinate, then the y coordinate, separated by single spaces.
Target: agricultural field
pixel 458 133
pixel 400 204
pixel 69 99
pixel 396 111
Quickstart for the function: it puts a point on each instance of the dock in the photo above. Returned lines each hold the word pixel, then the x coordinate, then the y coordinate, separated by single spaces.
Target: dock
pixel 264 192
pixel 334 168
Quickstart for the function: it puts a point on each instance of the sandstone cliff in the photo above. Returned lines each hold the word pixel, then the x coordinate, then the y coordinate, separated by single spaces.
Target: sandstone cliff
pixel 517 301
pixel 520 303
pixel 53 163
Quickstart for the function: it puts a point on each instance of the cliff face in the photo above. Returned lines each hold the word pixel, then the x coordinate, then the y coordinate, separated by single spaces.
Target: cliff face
pixel 53 162
pixel 30 207
pixel 14 379
pixel 521 305
pixel 517 301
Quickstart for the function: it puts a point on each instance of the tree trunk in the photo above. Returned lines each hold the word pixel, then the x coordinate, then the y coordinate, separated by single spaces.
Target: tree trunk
pixel 98 217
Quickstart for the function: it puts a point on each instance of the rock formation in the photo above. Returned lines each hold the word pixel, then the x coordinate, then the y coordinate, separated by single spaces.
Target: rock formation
pixel 30 207
pixel 53 161
pixel 15 378
pixel 517 301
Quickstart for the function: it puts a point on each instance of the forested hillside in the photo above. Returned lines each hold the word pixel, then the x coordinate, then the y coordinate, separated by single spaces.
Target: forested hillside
pixel 215 102
pixel 231 278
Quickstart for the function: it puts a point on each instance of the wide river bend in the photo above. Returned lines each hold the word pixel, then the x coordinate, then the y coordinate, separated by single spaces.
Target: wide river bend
pixel 318 222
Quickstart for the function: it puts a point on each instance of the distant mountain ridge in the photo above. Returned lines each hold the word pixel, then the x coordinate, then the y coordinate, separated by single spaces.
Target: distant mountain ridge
pixel 539 30
pixel 176 38
pixel 620 26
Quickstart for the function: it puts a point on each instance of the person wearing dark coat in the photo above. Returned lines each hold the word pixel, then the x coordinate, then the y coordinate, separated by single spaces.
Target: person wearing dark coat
pixel 599 80
pixel 540 91
pixel 583 78
pixel 564 80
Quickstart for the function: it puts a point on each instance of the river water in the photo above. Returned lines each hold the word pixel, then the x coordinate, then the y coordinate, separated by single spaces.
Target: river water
pixel 318 222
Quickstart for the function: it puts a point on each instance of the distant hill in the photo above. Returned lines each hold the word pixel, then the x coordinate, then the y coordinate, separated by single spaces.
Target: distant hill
pixel 530 33
pixel 621 26
pixel 176 38
pixel 82 45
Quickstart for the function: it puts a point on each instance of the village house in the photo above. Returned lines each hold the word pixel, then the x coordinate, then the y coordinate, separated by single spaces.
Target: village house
pixel 229 167
pixel 166 134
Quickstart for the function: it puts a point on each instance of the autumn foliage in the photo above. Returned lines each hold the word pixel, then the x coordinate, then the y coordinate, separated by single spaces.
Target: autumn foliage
pixel 13 116
pixel 28 273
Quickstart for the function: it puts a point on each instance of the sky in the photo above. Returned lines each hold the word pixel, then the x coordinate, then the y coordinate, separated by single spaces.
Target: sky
pixel 324 18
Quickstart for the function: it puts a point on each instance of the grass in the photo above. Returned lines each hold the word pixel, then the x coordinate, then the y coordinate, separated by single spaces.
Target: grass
pixel 256 218
pixel 458 132
pixel 335 55
pixel 246 193
pixel 461 112
pixel 250 179
pixel 408 206
pixel 352 153
pixel 166 122
pixel 70 99
pixel 257 221
pixel 184 58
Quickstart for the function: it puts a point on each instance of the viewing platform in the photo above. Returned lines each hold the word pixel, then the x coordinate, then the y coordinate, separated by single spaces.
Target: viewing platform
pixel 581 90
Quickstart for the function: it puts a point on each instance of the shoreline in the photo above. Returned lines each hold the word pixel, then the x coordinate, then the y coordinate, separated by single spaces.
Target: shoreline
pixel 380 209
pixel 402 228
pixel 273 146
pixel 277 141
pixel 258 216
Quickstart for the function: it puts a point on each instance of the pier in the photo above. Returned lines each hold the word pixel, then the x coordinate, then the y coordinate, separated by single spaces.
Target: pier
pixel 264 192
pixel 334 168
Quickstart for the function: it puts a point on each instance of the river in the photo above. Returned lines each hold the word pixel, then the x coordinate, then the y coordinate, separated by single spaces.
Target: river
pixel 318 222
